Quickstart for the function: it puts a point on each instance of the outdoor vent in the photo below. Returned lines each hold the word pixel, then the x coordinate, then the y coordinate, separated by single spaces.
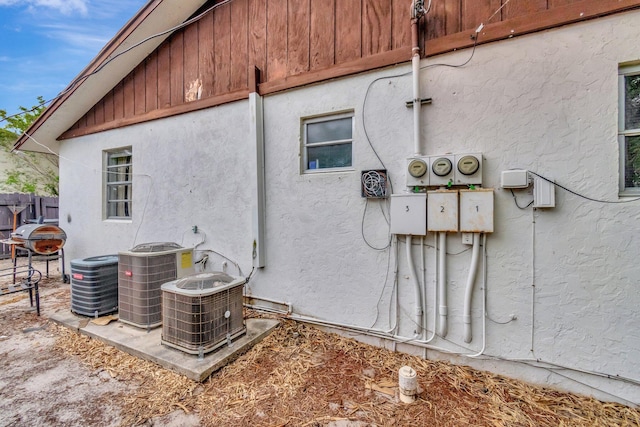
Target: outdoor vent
pixel 202 312
pixel 44 239
pixel 94 285
pixel 141 273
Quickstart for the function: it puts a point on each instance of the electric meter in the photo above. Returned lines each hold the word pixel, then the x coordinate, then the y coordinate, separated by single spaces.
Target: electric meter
pixel 417 168
pixel 468 165
pixel 441 166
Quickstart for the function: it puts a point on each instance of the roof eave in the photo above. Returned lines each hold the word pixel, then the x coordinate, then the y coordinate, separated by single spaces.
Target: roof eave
pixel 154 17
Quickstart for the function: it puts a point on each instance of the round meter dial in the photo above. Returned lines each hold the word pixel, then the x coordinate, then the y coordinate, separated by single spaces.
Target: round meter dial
pixel 441 166
pixel 468 165
pixel 417 168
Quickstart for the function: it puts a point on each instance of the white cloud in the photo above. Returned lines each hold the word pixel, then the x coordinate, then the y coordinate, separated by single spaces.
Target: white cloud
pixel 66 7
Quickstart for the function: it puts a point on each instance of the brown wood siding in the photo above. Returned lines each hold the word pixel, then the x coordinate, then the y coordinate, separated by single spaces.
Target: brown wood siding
pixel 164 75
pixel 190 60
pixel 298 12
pixel 322 21
pixel 239 45
pixel 298 42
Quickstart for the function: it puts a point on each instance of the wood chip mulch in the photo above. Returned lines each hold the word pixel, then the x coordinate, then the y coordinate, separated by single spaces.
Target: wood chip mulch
pixel 302 376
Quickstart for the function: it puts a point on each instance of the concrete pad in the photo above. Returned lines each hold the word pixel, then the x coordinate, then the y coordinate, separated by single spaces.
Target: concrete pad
pixel 146 344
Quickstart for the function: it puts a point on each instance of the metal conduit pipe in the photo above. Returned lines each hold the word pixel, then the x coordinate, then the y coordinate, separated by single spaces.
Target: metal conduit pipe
pixel 415 68
pixel 473 268
pixel 442 284
pixel 413 276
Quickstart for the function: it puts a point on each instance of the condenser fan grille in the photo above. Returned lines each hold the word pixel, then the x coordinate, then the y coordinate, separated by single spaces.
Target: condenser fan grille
pixel 204 281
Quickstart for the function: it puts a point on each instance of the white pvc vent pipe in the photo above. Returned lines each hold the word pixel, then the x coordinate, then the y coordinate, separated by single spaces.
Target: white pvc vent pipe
pixel 408 384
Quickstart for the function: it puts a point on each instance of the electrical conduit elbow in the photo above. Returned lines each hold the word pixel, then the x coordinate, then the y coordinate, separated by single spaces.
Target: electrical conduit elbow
pixel 473 269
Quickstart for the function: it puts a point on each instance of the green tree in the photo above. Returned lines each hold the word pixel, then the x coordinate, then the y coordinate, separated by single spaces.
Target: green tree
pixel 27 172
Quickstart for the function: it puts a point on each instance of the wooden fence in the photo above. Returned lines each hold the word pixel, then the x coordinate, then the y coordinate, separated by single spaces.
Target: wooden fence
pixel 33 207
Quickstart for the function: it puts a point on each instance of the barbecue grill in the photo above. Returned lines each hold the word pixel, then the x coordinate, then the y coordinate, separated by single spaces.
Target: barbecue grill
pixel 43 239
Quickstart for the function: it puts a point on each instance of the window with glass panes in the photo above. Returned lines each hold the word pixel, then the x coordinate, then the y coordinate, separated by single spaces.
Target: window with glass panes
pixel 629 129
pixel 327 142
pixel 119 170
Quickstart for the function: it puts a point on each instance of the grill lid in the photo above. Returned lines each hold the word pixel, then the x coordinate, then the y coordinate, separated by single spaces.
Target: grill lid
pixel 43 239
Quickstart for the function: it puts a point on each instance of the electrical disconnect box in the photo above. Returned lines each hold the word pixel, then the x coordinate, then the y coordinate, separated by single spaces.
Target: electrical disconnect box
pixel 476 210
pixel 409 214
pixel 442 210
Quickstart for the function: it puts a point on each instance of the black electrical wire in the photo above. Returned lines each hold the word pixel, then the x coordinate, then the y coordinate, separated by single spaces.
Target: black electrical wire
pixel 515 200
pixel 583 196
pixel 364 212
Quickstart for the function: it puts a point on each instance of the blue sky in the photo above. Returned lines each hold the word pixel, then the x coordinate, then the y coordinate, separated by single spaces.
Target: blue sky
pixel 44 44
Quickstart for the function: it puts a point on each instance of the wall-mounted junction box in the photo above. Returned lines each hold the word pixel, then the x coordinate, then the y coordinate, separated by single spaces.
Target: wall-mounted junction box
pixel 517 178
pixel 476 210
pixel 442 210
pixel 544 193
pixel 409 214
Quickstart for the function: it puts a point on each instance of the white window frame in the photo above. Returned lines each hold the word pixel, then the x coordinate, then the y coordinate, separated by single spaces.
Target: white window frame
pixel 623 72
pixel 106 184
pixel 325 118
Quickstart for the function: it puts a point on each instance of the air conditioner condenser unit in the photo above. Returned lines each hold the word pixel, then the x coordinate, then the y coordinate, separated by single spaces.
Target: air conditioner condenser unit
pixel 202 312
pixel 141 272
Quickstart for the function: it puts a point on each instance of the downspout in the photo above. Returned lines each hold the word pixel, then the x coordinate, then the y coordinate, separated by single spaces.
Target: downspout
pixel 442 284
pixel 256 137
pixel 473 269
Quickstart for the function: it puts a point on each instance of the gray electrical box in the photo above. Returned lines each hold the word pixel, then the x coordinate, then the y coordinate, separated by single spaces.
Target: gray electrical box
pixel 409 214
pixel 544 193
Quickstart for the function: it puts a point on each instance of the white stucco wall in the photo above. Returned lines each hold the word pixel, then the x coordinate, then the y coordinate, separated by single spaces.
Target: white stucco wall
pixel 546 102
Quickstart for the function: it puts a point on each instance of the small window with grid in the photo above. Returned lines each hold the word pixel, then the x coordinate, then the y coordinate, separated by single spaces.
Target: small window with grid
pixel 629 129
pixel 327 142
pixel 118 183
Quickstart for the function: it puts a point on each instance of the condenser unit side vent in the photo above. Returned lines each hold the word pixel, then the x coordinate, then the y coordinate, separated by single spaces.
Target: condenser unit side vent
pixel 141 273
pixel 202 312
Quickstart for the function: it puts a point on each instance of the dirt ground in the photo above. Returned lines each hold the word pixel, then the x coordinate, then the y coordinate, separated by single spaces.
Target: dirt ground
pixel 298 376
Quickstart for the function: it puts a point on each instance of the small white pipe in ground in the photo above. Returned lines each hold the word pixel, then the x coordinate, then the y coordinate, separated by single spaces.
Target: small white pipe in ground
pixel 442 284
pixel 408 384
pixel 416 284
pixel 473 268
